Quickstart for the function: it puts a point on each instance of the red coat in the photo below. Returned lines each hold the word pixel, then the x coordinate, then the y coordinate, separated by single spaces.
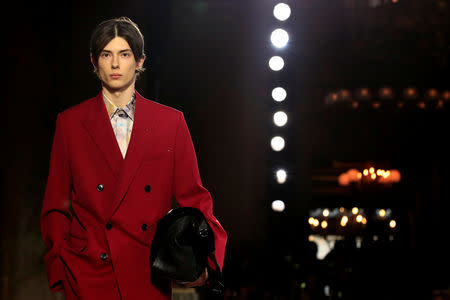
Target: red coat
pixel 100 211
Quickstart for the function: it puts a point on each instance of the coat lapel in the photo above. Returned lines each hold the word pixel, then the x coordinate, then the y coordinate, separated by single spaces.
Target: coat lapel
pixel 99 127
pixel 140 135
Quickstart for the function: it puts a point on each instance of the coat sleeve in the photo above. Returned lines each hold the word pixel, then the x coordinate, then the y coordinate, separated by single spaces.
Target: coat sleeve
pixel 55 215
pixel 188 189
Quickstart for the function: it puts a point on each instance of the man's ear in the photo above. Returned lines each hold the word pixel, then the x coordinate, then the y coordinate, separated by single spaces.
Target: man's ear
pixel 140 62
pixel 93 61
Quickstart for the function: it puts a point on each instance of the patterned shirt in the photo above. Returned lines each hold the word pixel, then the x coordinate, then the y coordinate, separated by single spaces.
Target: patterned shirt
pixel 121 121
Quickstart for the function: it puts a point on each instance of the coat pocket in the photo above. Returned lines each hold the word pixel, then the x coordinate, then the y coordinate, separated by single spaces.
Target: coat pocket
pixel 76 243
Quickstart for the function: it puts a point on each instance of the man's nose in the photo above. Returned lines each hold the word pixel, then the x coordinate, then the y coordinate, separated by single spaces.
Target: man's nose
pixel 115 62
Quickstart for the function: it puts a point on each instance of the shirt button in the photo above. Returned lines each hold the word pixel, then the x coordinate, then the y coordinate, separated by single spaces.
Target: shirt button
pixel 144 227
pixel 103 256
pixel 100 187
pixel 147 188
pixel 108 226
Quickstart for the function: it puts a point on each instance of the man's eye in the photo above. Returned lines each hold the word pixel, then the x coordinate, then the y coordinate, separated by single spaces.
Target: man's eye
pixel 105 55
pixel 125 54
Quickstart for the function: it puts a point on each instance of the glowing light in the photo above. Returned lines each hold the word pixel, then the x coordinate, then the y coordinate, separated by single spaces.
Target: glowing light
pixel 280 118
pixel 279 38
pixel 366 172
pixel 311 220
pixel 282 11
pixel 281 176
pixel 277 143
pixel 371 170
pixel 344 221
pixel 392 224
pixel 276 63
pixel 326 212
pixel 373 176
pixel 324 224
pixel 382 213
pixel 355 210
pixel 278 206
pixel 359 218
pixel 279 94
pixel 316 222
pixel 364 221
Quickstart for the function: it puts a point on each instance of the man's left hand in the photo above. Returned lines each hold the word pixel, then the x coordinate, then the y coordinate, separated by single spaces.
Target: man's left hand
pixel 199 282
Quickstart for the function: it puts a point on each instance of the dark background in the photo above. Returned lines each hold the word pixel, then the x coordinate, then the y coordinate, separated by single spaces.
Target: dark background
pixel 208 58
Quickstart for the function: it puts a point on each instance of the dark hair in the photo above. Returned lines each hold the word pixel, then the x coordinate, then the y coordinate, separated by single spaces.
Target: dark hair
pixel 118 27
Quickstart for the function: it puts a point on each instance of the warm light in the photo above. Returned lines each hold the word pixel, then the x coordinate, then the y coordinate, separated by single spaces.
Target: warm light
pixel 353 174
pixel 281 176
pixel 432 93
pixel 446 95
pixel 279 38
pixel 277 143
pixel 326 212
pixel 359 175
pixel 355 210
pixel 366 172
pixel 324 224
pixel 279 94
pixel 344 179
pixel 311 238
pixel 379 172
pixel 382 213
pixel 276 63
pixel 373 176
pixel 311 220
pixel 371 170
pixel 364 221
pixel 410 93
pixel 386 93
pixel 341 209
pixel 280 118
pixel 278 205
pixel 282 11
pixel 392 224
pixel 395 175
pixel 344 221
pixel 359 218
pixel 316 222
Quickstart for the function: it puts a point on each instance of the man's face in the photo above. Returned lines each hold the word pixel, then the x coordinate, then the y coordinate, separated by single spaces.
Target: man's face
pixel 117 65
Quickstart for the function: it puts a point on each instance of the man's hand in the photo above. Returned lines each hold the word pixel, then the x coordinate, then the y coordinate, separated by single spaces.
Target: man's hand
pixel 199 282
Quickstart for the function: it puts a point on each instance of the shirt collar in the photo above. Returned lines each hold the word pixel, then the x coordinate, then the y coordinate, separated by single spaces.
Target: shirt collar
pixel 112 109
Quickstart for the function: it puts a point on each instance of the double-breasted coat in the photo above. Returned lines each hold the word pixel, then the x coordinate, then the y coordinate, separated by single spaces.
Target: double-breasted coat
pixel 100 210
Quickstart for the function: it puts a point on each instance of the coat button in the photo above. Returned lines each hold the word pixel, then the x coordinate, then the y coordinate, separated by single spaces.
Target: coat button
pixel 147 188
pixel 100 187
pixel 103 256
pixel 144 227
pixel 108 226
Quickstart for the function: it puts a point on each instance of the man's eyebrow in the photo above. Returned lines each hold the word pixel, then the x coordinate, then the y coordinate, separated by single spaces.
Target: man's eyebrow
pixel 109 51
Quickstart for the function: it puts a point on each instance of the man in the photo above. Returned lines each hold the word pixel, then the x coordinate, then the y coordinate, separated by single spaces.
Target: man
pixel 117 159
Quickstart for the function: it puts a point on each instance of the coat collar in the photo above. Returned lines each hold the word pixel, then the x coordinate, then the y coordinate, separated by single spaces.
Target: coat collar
pixel 98 124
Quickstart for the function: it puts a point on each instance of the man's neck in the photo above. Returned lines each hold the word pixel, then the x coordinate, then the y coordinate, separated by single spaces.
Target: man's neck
pixel 120 98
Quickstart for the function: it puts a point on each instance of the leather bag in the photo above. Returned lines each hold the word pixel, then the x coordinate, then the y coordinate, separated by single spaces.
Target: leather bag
pixel 183 247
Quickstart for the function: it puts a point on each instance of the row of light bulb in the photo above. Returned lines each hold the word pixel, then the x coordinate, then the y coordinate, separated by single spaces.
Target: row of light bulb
pixel 279 39
pixel 359 218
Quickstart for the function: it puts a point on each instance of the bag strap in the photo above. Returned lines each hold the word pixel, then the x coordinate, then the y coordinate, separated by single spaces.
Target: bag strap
pixel 214 283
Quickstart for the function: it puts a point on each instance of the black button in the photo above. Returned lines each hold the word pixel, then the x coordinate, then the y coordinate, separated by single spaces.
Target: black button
pixel 147 188
pixel 100 187
pixel 108 225
pixel 103 256
pixel 144 226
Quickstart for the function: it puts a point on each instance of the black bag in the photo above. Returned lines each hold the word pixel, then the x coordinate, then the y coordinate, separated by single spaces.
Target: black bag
pixel 182 245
